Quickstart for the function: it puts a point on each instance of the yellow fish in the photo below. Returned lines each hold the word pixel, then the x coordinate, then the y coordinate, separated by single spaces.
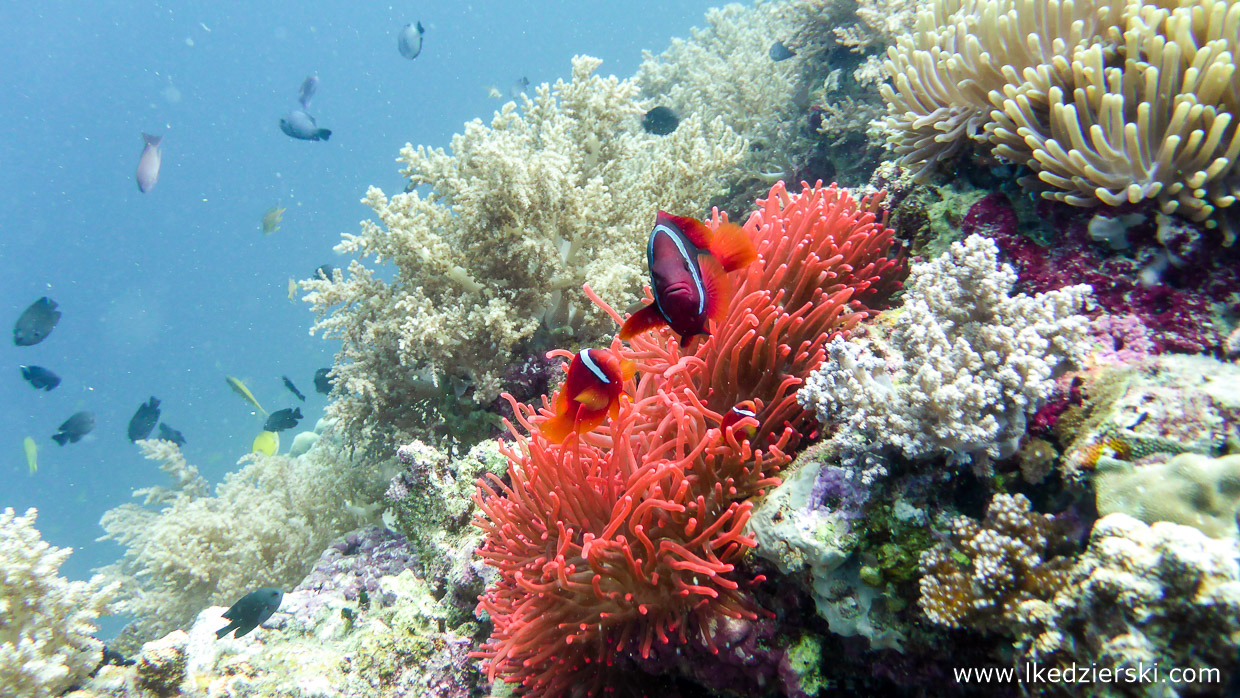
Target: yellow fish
pixel 272 219
pixel 32 455
pixel 240 389
pixel 266 443
pixel 292 289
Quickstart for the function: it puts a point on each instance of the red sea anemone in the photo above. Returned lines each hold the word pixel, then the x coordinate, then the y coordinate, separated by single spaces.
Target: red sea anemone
pixel 631 534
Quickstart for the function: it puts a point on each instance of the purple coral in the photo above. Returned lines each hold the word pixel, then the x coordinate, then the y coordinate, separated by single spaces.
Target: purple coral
pixel 1171 278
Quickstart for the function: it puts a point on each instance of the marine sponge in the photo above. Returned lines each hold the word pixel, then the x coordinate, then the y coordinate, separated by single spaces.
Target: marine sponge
pixel 45 620
pixel 1106 101
pixel 1189 489
pixel 965 365
pixel 987 571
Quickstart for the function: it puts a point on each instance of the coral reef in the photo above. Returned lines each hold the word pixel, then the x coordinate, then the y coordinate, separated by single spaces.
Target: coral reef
pixel 1183 291
pixel 965 365
pixel 1171 404
pixel 630 536
pixel 1106 101
pixel 319 643
pixel 431 502
pixel 983 576
pixel 490 241
pixel 1188 489
pixel 46 642
pixel 1142 596
pixel 264 527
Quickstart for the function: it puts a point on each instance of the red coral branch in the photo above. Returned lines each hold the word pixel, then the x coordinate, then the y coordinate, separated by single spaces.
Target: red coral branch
pixel 631 534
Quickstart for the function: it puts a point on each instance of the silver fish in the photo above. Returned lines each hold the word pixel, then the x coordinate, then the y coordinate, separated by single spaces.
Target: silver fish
pixel 301 125
pixel 409 41
pixel 148 164
pixel 308 89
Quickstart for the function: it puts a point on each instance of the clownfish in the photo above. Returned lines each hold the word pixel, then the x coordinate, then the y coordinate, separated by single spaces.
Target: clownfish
pixel 742 409
pixel 689 264
pixel 590 393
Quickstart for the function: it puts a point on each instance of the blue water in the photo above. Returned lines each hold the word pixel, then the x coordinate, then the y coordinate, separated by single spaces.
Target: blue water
pixel 167 292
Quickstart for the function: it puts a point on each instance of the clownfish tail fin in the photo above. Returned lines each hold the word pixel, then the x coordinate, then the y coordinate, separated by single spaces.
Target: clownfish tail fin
pixel 718 289
pixel 645 319
pixel 732 247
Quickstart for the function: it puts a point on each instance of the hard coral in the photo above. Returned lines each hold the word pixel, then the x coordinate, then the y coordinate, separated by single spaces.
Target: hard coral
pixel 988 570
pixel 630 535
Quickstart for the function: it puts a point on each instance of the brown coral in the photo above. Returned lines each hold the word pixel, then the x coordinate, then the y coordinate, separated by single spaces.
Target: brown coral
pixel 988 569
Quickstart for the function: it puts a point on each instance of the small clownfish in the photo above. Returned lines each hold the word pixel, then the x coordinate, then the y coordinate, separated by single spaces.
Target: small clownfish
pixel 689 264
pixel 590 393
pixel 742 409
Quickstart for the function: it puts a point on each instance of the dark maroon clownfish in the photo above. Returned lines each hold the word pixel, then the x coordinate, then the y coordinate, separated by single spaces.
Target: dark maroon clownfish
pixel 689 265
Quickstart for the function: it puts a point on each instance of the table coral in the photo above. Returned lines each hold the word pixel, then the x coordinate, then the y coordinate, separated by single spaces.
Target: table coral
pixel 631 535
pixel 46 621
pixel 491 241
pixel 965 366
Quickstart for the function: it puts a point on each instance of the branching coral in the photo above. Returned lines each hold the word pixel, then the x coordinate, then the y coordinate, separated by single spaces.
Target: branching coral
pixel 1107 101
pixel 966 363
pixel 981 577
pixel 265 527
pixel 551 194
pixel 46 621
pixel 631 534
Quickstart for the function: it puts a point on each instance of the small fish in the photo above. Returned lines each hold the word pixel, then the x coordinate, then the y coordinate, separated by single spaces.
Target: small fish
pixel 40 378
pixel 266 443
pixel 250 611
pixel 308 88
pixel 660 121
pixel 272 218
pixel 74 428
pixel 292 289
pixel 288 383
pixel 148 164
pixel 32 455
pixel 742 410
pixel 326 272
pixel 689 265
pixel 240 389
pixel 144 420
pixel 283 420
pixel 302 126
pixel 492 93
pixel 36 322
pixel 323 382
pixel 167 433
pixel 590 393
pixel 409 40
pixel 518 88
pixel 780 52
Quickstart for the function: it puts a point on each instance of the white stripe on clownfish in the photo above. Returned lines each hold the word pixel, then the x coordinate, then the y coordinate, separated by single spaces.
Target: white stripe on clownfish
pixel 677 239
pixel 588 361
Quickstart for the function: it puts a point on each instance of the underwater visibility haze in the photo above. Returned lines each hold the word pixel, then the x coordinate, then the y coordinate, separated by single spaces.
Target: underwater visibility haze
pixel 786 348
